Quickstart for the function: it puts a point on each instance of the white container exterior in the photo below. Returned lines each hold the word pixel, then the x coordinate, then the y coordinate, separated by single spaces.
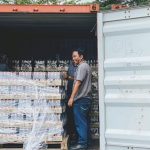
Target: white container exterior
pixel 124 79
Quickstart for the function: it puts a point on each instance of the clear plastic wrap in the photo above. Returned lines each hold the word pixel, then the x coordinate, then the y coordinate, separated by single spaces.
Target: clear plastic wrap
pixel 26 65
pixel 15 65
pixel 51 65
pixel 39 66
pixel 30 112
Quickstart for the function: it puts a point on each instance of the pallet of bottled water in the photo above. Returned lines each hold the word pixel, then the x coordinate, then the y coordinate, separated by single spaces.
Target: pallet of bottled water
pixel 32 107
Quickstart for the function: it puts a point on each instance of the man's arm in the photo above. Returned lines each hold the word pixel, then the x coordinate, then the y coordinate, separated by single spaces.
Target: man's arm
pixel 74 92
pixel 67 77
pixel 70 78
pixel 81 75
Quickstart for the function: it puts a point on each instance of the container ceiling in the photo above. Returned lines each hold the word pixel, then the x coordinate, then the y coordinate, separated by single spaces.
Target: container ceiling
pixel 45 35
pixel 50 22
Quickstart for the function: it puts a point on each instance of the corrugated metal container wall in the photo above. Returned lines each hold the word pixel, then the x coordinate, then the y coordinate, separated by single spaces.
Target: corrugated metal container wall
pixel 124 79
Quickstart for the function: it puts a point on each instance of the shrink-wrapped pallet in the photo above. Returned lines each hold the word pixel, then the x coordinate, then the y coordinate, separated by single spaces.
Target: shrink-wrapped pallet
pixel 30 112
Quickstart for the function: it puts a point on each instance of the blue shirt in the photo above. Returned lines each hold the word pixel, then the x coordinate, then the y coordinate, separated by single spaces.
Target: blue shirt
pixel 71 72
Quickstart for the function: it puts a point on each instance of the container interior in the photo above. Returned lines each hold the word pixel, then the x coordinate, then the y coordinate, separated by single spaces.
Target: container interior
pixel 27 36
pixel 47 36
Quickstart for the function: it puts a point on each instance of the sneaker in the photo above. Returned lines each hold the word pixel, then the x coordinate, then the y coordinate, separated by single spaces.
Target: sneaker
pixel 78 147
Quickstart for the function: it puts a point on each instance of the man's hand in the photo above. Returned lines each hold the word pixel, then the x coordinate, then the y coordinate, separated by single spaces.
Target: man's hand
pixel 70 102
pixel 65 75
pixel 74 92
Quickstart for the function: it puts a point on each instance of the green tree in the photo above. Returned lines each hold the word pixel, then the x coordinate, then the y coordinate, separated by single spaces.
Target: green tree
pixel 24 2
pixel 71 2
pixel 106 4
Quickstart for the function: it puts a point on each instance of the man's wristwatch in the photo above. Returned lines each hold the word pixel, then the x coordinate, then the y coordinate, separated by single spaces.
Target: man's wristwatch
pixel 68 77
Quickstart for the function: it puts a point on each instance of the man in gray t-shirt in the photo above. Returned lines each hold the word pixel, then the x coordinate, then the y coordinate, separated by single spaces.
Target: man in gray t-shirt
pixel 80 99
pixel 83 74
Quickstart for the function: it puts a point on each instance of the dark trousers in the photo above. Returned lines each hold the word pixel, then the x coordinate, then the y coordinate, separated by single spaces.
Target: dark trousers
pixel 70 122
pixel 81 110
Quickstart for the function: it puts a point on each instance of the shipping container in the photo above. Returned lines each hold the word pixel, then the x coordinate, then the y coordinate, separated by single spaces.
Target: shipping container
pixel 124 79
pixel 33 35
pixel 120 40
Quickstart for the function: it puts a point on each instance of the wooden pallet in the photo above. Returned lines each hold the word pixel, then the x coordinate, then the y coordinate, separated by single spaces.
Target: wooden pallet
pixel 61 145
pixel 16 110
pixel 29 82
pixel 34 96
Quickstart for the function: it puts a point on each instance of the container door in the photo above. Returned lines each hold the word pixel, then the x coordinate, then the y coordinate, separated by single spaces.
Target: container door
pixel 124 79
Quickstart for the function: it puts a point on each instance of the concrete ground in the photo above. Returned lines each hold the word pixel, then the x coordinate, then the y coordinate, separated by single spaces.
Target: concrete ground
pixel 95 146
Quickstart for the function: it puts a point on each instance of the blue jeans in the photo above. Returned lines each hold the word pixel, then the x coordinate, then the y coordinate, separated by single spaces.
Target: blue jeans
pixel 81 110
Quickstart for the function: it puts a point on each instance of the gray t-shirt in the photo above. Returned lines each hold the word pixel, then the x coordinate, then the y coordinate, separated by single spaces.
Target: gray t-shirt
pixel 83 73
